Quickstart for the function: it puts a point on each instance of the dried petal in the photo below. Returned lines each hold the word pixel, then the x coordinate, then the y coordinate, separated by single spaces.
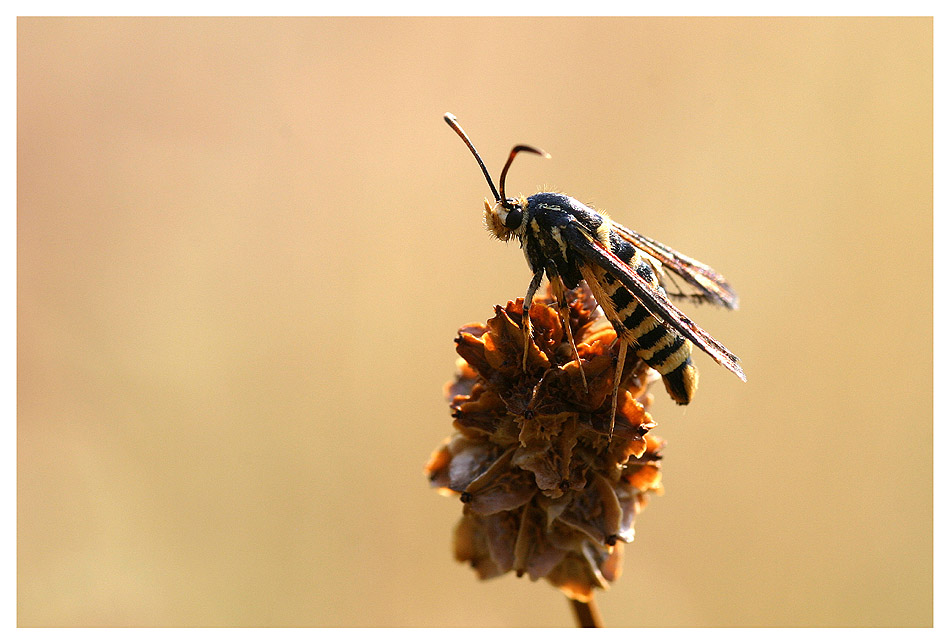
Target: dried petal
pixel 548 492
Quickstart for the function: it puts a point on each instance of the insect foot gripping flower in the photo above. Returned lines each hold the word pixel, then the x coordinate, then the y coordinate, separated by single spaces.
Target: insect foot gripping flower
pixel 547 491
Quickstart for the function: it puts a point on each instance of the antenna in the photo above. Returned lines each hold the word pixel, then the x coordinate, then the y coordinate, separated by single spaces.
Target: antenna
pixel 454 124
pixel 511 157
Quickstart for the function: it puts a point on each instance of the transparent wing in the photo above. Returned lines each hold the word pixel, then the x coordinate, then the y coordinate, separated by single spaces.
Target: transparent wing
pixel 655 301
pixel 702 283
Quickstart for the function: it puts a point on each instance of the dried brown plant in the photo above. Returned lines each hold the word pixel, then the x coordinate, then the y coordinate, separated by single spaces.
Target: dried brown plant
pixel 546 491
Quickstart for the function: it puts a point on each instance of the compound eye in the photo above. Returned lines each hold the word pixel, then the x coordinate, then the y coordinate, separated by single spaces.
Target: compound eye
pixel 513 219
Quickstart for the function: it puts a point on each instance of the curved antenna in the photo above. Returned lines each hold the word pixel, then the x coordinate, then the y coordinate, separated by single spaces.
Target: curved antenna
pixel 454 124
pixel 511 157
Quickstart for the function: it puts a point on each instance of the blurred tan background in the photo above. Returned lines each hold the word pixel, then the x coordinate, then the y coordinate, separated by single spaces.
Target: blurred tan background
pixel 245 246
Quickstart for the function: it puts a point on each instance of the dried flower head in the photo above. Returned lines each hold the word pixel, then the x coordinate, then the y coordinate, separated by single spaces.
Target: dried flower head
pixel 546 491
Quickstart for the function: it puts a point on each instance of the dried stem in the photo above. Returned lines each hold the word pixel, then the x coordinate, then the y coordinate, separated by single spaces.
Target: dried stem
pixel 586 614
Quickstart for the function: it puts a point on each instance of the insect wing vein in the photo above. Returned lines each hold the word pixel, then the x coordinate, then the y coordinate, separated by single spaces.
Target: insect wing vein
pixel 712 286
pixel 654 301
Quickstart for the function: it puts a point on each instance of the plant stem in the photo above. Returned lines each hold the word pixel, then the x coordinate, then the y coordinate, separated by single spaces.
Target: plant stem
pixel 586 614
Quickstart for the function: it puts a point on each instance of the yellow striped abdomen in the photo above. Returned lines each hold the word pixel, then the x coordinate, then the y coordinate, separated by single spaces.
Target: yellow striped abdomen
pixel 655 343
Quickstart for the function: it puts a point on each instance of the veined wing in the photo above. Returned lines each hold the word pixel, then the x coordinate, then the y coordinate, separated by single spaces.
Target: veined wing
pixel 707 285
pixel 655 301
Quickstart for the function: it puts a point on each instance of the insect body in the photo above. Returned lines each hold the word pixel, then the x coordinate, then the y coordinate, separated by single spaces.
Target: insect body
pixel 569 242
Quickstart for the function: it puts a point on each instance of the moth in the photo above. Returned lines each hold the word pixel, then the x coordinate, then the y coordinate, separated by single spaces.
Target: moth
pixel 630 275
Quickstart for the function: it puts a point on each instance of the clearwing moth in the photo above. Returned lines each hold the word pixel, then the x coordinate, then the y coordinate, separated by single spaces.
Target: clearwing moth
pixel 630 276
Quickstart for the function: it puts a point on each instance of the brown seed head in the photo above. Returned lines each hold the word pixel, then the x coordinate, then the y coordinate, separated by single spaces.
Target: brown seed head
pixel 547 493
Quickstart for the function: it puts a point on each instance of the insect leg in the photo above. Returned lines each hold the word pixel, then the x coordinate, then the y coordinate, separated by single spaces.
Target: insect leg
pixel 558 287
pixel 621 356
pixel 525 318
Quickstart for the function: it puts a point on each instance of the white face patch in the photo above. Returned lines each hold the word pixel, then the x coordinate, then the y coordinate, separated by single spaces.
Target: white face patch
pixel 500 212
pixel 495 220
pixel 496 214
